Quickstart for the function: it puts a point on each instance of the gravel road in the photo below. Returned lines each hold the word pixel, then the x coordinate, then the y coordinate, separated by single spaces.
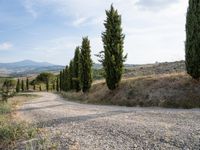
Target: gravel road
pixel 94 127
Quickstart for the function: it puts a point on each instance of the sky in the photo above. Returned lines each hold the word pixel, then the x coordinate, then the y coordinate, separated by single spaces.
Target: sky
pixel 50 30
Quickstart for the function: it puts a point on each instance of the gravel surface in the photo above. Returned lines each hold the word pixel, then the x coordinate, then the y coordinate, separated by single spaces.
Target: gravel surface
pixel 94 127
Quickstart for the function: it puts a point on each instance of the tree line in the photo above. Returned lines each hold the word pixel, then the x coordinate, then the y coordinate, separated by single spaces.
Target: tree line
pixel 78 74
pixel 79 71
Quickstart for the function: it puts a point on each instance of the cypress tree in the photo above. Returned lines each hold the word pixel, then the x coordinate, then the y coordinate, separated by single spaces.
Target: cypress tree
pixel 34 87
pixel 86 65
pixel 57 84
pixel 112 56
pixel 47 85
pixel 18 86
pixel 61 80
pixel 22 85
pixel 54 86
pixel 27 84
pixel 76 74
pixel 67 79
pixel 192 44
pixel 71 72
pixel 40 88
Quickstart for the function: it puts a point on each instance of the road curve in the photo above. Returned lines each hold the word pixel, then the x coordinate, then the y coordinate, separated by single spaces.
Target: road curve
pixel 94 127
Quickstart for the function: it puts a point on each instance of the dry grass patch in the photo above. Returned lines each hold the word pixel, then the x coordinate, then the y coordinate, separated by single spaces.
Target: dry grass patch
pixel 11 130
pixel 175 90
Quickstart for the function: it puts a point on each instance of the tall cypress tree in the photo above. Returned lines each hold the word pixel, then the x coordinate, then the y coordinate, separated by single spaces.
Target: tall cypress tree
pixel 86 65
pixel 57 84
pixel 112 56
pixel 61 80
pixel 27 84
pixel 71 72
pixel 18 86
pixel 47 85
pixel 192 44
pixel 22 85
pixel 54 86
pixel 67 79
pixel 76 73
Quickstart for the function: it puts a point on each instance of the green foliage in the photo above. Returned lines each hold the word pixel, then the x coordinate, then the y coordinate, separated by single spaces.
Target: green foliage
pixel 57 85
pixel 71 72
pixel 34 87
pixel 54 86
pixel 112 57
pixel 27 84
pixel 76 70
pixel 44 77
pixel 22 85
pixel 66 79
pixel 192 44
pixel 8 89
pixel 18 86
pixel 86 65
pixel 40 88
pixel 61 80
pixel 98 74
pixel 47 85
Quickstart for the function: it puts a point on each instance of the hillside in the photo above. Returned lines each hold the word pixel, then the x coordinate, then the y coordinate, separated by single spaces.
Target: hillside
pixel 167 90
pixel 160 84
pixel 27 68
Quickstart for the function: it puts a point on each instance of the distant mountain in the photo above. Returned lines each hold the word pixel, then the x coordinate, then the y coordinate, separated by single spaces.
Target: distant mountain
pixel 25 63
pixel 27 67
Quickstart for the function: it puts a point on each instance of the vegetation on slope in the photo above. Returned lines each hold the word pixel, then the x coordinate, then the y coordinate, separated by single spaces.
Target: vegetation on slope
pixel 167 90
pixel 12 131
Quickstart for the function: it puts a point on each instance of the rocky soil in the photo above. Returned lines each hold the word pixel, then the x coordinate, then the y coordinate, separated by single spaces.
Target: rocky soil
pixel 93 127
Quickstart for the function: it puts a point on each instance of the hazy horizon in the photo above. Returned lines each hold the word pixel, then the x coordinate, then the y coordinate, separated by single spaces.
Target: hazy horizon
pixel 49 30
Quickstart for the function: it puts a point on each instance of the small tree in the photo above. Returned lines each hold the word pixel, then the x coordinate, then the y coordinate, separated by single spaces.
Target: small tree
pixel 8 89
pixel 40 88
pixel 27 84
pixel 22 85
pixel 192 44
pixel 34 87
pixel 86 65
pixel 18 86
pixel 54 86
pixel 76 70
pixel 112 57
pixel 47 85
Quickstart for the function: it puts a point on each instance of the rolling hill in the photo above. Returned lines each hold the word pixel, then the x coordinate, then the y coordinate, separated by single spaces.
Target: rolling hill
pixel 27 67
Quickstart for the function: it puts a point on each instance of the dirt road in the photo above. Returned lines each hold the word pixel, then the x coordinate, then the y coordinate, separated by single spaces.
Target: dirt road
pixel 93 127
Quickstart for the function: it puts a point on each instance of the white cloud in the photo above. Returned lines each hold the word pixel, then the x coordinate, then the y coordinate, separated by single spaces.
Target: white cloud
pixel 79 21
pixel 155 4
pixel 29 6
pixel 151 36
pixel 5 46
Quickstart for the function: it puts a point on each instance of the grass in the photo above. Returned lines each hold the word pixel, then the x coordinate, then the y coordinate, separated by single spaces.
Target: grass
pixel 13 131
pixel 175 90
